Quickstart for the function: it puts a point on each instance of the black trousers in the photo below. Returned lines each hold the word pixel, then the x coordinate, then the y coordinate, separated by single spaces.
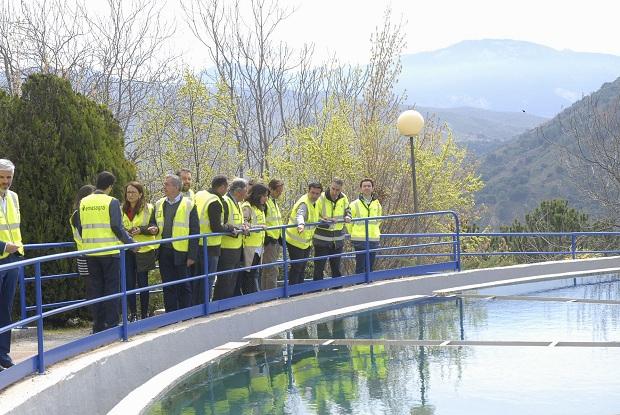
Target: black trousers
pixel 198 286
pixel 225 284
pixel 104 279
pixel 329 248
pixel 179 295
pixel 134 278
pixel 249 281
pixel 8 282
pixel 296 271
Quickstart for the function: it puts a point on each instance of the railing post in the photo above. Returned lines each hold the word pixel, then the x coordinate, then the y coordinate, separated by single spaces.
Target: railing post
pixel 573 245
pixel 22 292
pixel 367 256
pixel 457 242
pixel 285 262
pixel 124 291
pixel 39 303
pixel 205 269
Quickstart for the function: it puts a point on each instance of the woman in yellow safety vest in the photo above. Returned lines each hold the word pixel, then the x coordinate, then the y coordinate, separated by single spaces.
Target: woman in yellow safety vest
pixel 254 216
pixel 139 221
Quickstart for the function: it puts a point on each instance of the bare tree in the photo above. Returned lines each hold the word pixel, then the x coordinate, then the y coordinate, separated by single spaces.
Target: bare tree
pixel 129 59
pixel 588 136
pixel 273 87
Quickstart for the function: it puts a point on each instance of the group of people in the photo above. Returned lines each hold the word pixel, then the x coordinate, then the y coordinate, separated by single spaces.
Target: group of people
pixel 239 218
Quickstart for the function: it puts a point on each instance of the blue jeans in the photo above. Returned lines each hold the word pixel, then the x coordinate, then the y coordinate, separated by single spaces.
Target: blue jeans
pixel 360 259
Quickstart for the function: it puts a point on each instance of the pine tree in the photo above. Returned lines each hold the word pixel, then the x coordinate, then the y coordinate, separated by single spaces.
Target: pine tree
pixel 58 141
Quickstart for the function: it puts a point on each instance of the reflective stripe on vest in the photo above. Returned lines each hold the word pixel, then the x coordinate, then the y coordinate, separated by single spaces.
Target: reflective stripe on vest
pixel 359 209
pixel 235 218
pixel 95 221
pixel 203 200
pixel 331 210
pixel 141 220
pixel 180 223
pixel 302 240
pixel 273 218
pixel 9 223
pixel 257 218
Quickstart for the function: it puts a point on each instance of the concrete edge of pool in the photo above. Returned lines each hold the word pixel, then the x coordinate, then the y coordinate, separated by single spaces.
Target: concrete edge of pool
pixel 97 381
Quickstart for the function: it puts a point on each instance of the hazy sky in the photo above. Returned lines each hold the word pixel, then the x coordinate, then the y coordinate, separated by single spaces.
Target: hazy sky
pixel 343 27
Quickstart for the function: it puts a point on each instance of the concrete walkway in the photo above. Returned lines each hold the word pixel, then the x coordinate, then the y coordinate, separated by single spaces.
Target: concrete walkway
pixel 24 341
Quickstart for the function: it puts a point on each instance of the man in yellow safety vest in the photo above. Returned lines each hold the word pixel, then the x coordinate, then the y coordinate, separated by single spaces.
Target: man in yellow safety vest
pixel 299 239
pixel 333 206
pixel 10 248
pixel 176 216
pixel 100 225
pixel 365 206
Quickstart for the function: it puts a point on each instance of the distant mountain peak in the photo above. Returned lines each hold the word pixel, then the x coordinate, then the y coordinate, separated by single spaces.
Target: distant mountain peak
pixel 504 75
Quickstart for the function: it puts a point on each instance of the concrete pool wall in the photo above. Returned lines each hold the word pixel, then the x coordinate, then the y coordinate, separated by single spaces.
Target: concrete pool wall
pixel 97 381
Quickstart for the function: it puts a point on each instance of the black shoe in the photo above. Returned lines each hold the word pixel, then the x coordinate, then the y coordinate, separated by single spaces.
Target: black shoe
pixel 6 361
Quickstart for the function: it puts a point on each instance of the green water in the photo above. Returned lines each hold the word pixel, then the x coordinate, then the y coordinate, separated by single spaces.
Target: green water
pixel 428 380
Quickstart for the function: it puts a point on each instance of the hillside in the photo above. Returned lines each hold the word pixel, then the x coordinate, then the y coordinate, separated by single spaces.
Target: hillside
pixel 482 130
pixel 531 168
pixel 504 75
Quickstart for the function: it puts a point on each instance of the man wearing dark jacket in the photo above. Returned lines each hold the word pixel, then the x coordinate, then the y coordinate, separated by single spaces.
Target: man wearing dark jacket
pixel 176 216
pixel 100 225
pixel 212 209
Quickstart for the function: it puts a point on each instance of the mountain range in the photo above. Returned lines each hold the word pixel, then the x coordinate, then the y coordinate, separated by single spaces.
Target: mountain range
pixel 504 75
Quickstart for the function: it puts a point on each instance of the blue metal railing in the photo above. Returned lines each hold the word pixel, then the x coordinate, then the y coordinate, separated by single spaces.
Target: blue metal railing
pixel 44 357
pixel 450 240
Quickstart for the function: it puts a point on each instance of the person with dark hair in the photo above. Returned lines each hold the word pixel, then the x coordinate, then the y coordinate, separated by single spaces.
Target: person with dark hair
pixel 11 247
pixel 254 216
pixel 365 206
pixel 299 239
pixel 139 222
pixel 176 216
pixel 273 237
pixel 84 191
pixel 231 246
pixel 333 206
pixel 186 178
pixel 100 225
pixel 211 207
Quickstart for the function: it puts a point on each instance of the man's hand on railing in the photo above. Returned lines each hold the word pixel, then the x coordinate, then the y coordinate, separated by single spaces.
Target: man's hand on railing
pixel 11 248
pixel 300 227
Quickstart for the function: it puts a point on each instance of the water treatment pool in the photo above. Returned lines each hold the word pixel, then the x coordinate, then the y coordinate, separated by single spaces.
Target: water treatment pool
pixel 388 379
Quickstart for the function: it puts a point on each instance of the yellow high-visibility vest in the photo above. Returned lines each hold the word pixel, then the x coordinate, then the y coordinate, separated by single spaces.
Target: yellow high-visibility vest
pixel 357 230
pixel 203 200
pixel 235 218
pixel 257 218
pixel 9 223
pixel 302 240
pixel 273 218
pixel 76 235
pixel 330 210
pixel 95 221
pixel 141 219
pixel 180 223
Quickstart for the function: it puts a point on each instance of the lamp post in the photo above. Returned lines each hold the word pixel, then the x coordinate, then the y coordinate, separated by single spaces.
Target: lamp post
pixel 409 124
